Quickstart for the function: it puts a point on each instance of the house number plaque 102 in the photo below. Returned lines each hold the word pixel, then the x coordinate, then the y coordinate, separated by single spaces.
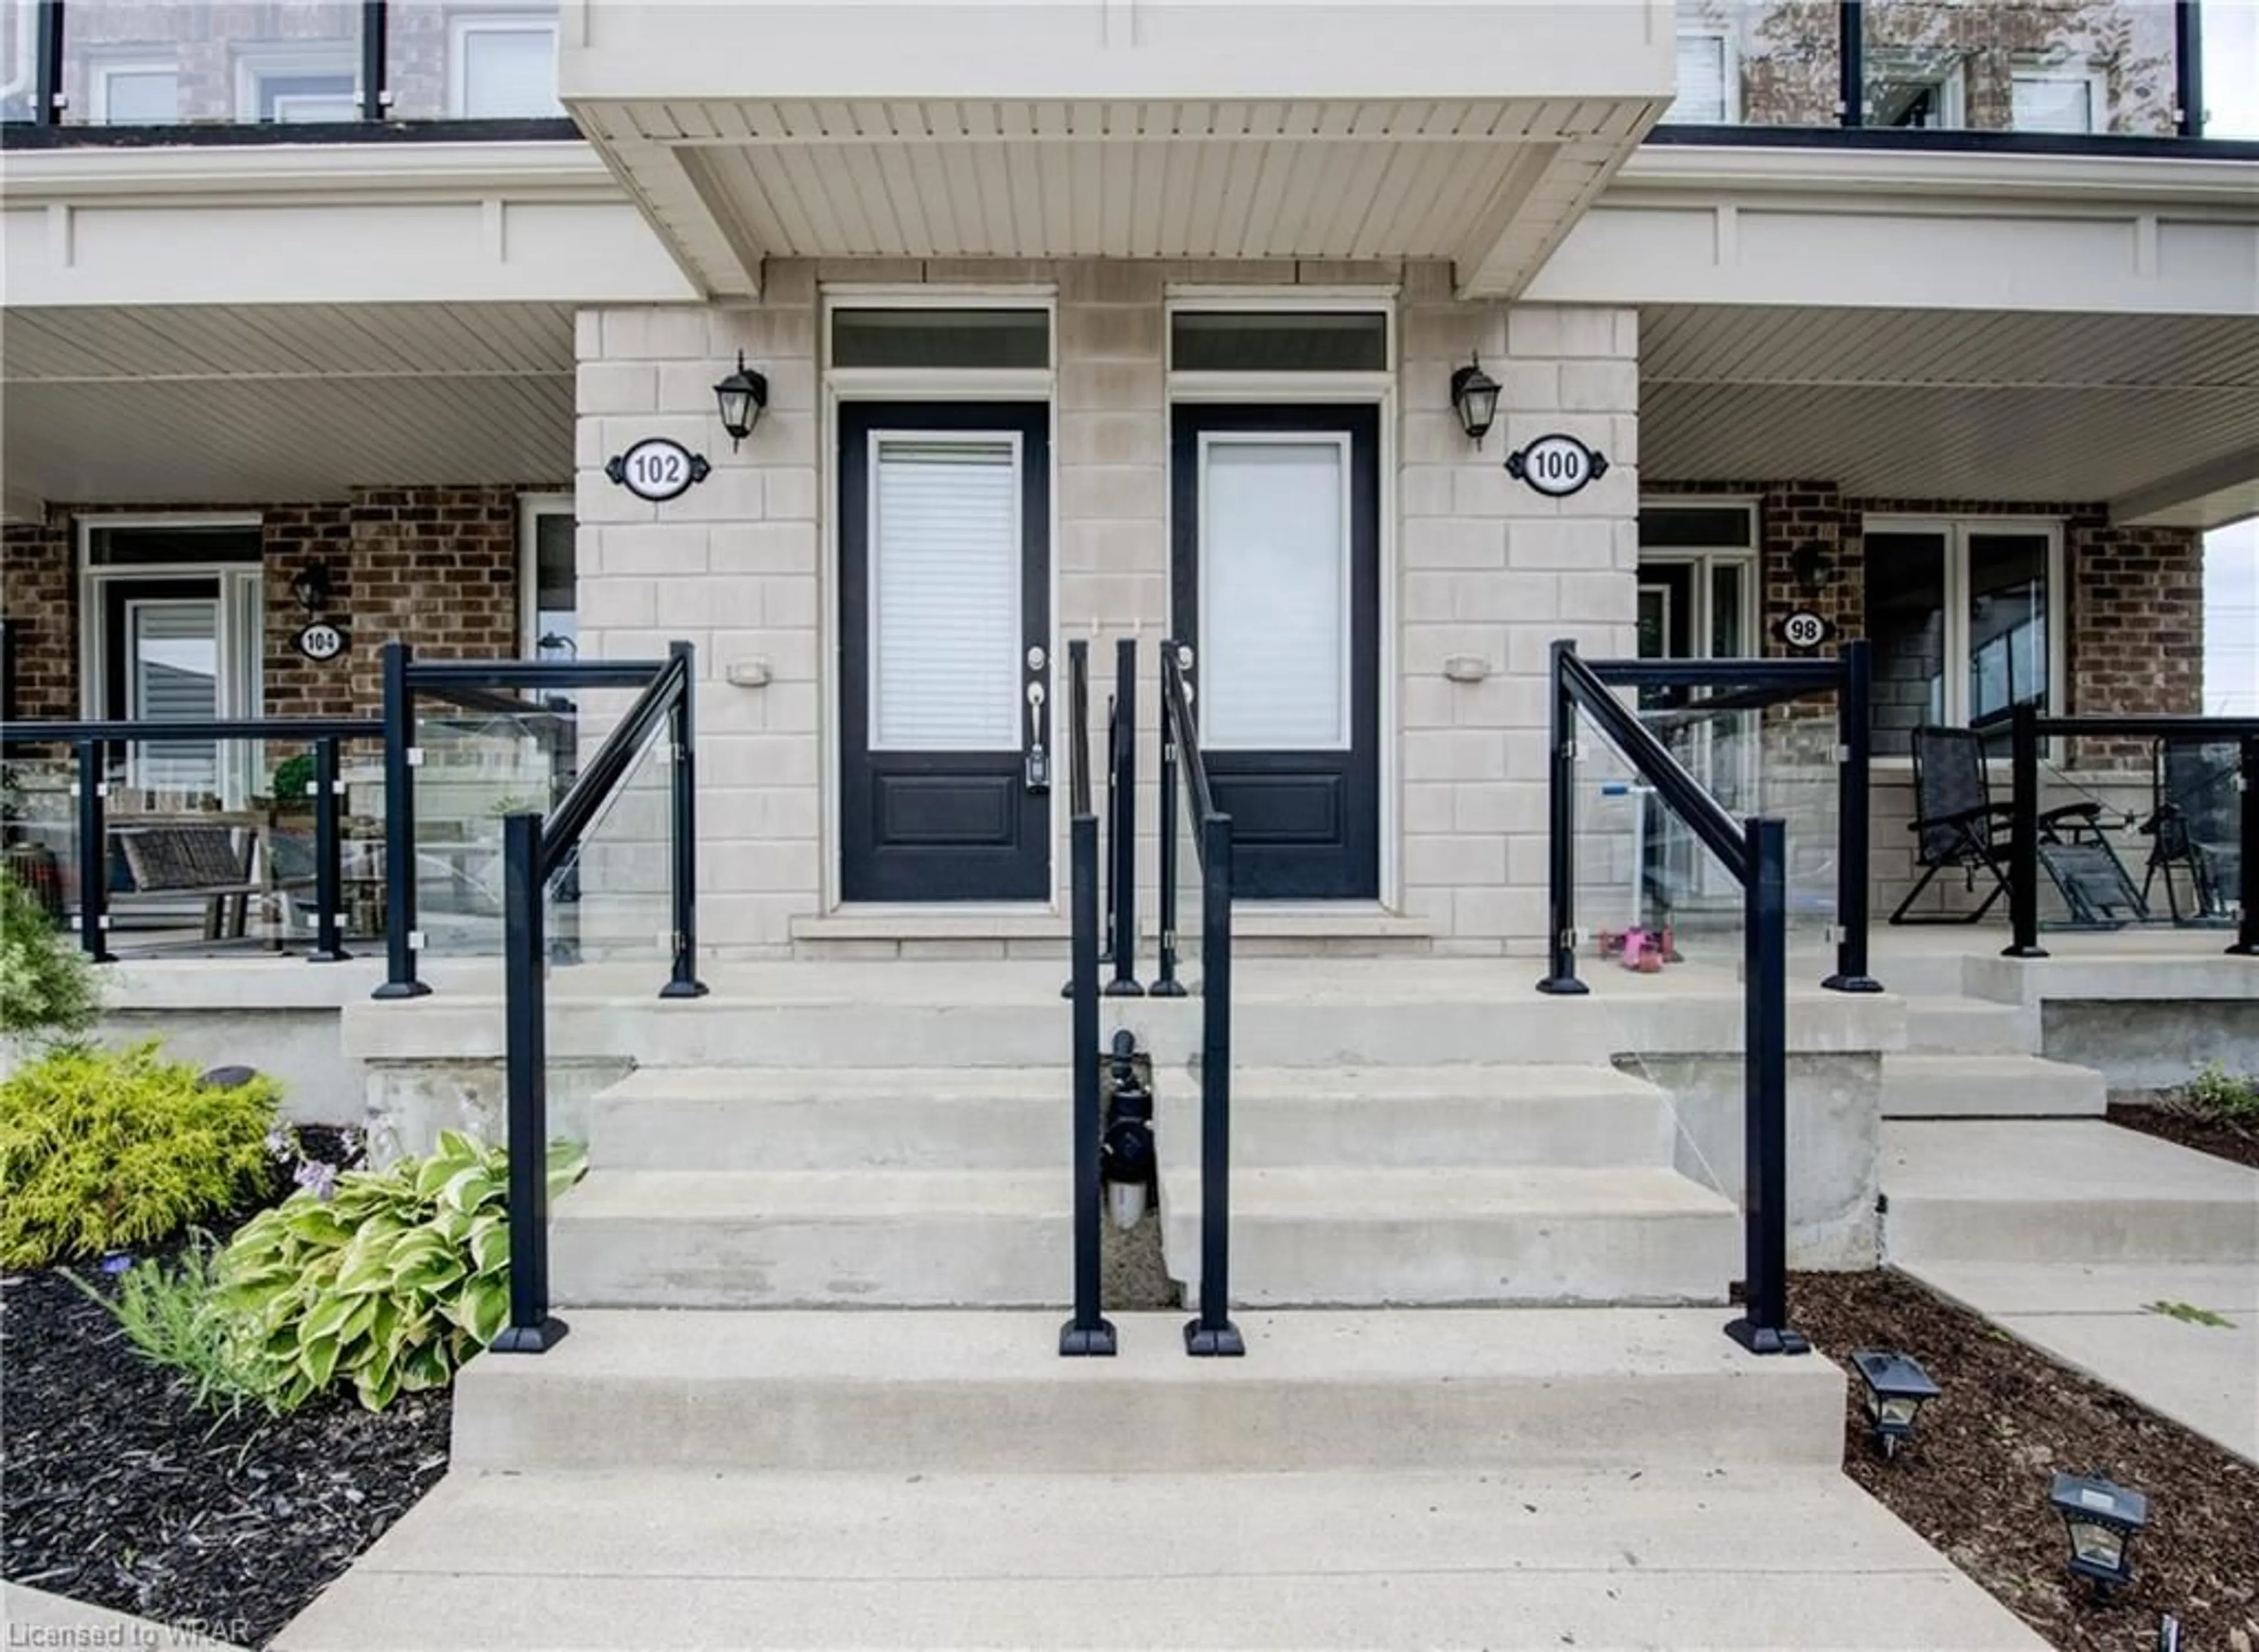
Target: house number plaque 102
pixel 658 469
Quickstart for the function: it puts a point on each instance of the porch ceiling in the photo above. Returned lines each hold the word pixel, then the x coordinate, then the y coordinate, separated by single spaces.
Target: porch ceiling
pixel 204 404
pixel 2158 415
pixel 1490 184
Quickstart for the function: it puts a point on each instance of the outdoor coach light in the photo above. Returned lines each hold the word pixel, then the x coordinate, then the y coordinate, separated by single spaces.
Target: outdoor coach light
pixel 743 394
pixel 1897 1390
pixel 2102 1519
pixel 311 586
pixel 1474 397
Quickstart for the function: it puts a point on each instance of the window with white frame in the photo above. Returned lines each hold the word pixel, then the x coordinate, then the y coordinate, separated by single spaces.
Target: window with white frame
pixel 501 67
pixel 2056 99
pixel 549 625
pixel 1925 91
pixel 1964 617
pixel 297 85
pixel 134 92
pixel 1706 80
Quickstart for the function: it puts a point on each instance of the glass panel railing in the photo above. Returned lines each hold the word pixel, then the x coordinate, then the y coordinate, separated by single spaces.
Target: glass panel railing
pixel 19 88
pixel 1982 66
pixel 1757 63
pixel 478 766
pixel 130 63
pixel 494 60
pixel 611 901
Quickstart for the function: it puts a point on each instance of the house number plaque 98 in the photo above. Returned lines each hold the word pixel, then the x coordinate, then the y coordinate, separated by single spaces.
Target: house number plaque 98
pixel 658 469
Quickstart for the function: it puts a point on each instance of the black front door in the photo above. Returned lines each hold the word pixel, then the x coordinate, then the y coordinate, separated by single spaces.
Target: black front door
pixel 944 634
pixel 1276 588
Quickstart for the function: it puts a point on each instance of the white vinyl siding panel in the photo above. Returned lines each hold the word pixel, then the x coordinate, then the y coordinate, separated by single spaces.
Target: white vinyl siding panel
pixel 946 597
pixel 1274 571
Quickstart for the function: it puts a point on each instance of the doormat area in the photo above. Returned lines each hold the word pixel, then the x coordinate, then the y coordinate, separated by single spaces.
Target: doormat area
pixel 1974 1479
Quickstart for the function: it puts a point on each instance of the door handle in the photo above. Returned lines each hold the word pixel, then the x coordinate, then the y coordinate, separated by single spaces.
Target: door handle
pixel 1039 763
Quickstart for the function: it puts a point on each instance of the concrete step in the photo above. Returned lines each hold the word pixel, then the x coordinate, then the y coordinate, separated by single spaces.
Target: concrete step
pixel 834 1118
pixel 1736 1557
pixel 978 1393
pixel 1988 1087
pixel 1349 1236
pixel 1528 1115
pixel 1970 1026
pixel 888 1238
pixel 2068 1190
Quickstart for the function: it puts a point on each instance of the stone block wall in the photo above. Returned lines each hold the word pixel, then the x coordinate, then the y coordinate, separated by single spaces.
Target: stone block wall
pixel 1481 566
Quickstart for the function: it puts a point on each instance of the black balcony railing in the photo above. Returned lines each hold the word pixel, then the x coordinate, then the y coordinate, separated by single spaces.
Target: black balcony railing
pixel 1755 853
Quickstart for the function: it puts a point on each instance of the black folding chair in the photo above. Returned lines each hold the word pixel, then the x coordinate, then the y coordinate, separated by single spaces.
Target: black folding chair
pixel 1958 826
pixel 2195 828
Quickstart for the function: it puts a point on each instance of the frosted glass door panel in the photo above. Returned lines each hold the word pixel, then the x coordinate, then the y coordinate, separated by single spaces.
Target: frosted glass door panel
pixel 946 619
pixel 1273 666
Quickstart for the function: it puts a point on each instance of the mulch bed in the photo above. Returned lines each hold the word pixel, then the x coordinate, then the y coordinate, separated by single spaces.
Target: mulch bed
pixel 2222 1138
pixel 116 1490
pixel 1974 1479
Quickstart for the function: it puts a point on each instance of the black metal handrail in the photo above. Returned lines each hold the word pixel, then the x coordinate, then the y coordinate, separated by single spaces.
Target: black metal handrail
pixel 1212 1333
pixel 1122 824
pixel 1087 1333
pixel 481 684
pixel 1755 852
pixel 1744 685
pixel 2028 727
pixel 534 850
pixel 91 739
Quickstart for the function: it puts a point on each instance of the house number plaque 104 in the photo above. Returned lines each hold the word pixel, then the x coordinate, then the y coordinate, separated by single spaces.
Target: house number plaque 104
pixel 658 469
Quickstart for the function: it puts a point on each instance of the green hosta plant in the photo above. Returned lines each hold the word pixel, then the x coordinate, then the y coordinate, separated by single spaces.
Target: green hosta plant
pixel 391 1282
pixel 116 1150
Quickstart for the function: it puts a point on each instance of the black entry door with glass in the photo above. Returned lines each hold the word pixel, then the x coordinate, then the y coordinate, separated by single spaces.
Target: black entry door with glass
pixel 945 633
pixel 1276 590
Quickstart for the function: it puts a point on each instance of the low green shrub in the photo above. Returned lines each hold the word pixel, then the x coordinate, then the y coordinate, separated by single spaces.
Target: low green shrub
pixel 46 986
pixel 2219 1093
pixel 117 1149
pixel 390 1283
pixel 171 1318
pixel 293 781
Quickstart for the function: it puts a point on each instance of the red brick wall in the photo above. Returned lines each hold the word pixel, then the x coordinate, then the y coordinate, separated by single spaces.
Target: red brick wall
pixel 435 567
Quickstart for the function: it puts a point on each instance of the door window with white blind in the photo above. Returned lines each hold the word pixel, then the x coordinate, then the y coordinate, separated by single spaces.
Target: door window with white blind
pixel 1274 576
pixel 173 675
pixel 945 560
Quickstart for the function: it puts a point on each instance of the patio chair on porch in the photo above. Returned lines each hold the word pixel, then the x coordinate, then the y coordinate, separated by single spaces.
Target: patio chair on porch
pixel 2195 827
pixel 1958 825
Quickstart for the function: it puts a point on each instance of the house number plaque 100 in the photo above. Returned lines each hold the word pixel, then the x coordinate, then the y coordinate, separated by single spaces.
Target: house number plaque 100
pixel 1556 466
pixel 658 469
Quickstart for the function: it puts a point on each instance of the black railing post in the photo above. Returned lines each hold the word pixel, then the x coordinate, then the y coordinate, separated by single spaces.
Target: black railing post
pixel 1122 822
pixel 1087 1333
pixel 2024 830
pixel 2246 892
pixel 1166 984
pixel 1763 1328
pixel 2188 57
pixel 682 862
pixel 1212 1334
pixel 1854 693
pixel 1851 56
pixel 372 66
pixel 93 855
pixel 400 760
pixel 1561 838
pixel 48 65
pixel 532 1328
pixel 329 858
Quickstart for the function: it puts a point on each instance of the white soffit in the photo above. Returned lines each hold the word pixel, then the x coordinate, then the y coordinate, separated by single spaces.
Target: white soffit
pixel 200 405
pixel 1929 405
pixel 1492 185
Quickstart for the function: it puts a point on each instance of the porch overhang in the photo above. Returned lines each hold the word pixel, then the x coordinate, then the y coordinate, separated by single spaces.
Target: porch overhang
pixel 1474 132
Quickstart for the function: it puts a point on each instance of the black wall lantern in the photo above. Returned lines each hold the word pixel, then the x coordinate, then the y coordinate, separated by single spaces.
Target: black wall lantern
pixel 310 585
pixel 1474 398
pixel 2102 1519
pixel 1814 569
pixel 743 394
pixel 1897 1390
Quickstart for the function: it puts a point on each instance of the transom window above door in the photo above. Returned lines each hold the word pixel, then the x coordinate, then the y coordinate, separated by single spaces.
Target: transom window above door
pixel 1965 620
pixel 971 338
pixel 1289 340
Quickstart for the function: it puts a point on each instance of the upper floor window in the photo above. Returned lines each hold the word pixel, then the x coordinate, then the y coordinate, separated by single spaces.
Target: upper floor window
pixel 1706 81
pixel 502 65
pixel 135 93
pixel 2067 100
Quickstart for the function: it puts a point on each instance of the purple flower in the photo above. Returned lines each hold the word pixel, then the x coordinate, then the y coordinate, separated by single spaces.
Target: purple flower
pixel 349 1144
pixel 116 1261
pixel 317 1177
pixel 280 1147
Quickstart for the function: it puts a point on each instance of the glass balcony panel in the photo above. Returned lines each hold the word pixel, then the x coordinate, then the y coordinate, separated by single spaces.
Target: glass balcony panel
pixel 2064 67
pixel 127 63
pixel 1757 63
pixel 472 60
